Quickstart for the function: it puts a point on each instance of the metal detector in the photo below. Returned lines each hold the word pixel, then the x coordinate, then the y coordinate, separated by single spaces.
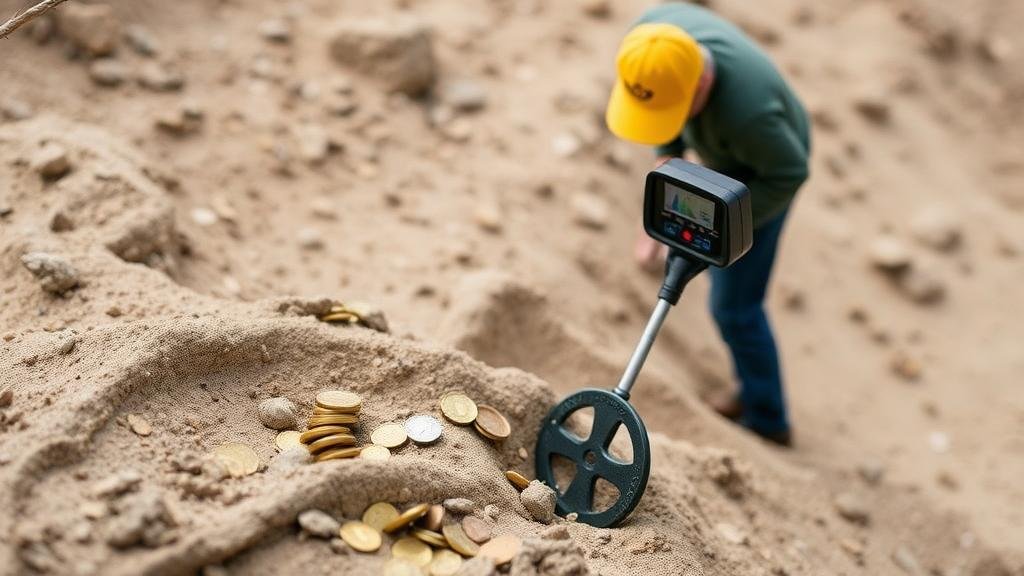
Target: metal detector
pixel 704 218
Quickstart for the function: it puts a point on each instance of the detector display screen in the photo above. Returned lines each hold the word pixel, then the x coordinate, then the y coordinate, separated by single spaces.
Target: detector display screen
pixel 690 206
pixel 687 219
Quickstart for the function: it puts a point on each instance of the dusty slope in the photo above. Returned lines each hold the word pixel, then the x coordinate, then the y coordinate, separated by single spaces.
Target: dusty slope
pixel 398 176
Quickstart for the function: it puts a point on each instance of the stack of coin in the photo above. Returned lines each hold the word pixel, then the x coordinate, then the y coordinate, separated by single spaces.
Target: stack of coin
pixel 328 434
pixel 487 420
pixel 341 314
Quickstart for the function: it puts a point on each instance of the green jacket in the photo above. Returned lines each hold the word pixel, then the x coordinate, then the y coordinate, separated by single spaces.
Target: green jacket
pixel 753 128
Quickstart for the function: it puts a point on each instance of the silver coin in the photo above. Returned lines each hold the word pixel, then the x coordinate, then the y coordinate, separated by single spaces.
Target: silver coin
pixel 423 429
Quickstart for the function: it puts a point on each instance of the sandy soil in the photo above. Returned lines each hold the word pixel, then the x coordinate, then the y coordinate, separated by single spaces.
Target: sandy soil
pixel 208 223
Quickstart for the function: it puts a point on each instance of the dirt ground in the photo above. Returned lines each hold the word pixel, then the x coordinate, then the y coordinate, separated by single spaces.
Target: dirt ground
pixel 217 172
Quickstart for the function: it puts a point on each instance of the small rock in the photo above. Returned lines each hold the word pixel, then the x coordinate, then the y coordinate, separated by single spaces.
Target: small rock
pixel 324 207
pixel 139 425
pixel 464 95
pixel 314 143
pixel 477 529
pixel 276 30
pixel 55 273
pixel 141 40
pixel 566 145
pixel 853 548
pixel 14 109
pixel 906 366
pixel 114 311
pixel 6 397
pixel 890 255
pixel 179 122
pixel 590 211
pixel 141 518
pixel 539 500
pixel 459 506
pixel 492 511
pixel 922 286
pixel 947 480
pixel 310 239
pixel 203 216
pixel 61 222
pixel 851 508
pixel 278 414
pixel 872 472
pixel 873 108
pixel 318 523
pixel 939 442
pixel 117 484
pixel 290 459
pixel 107 72
pixel 157 77
pixel 51 161
pixel 906 560
pixel 599 9
pixel 557 532
pixel 936 228
pixel 90 27
pixel 488 217
pixel 730 533
pixel 339 547
pixel 397 52
pixel 522 453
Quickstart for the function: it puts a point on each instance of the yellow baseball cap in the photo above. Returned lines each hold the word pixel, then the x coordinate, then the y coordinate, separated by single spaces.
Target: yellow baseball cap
pixel 659 67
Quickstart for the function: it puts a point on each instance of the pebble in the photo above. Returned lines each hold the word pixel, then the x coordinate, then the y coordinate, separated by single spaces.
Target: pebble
pixel 872 472
pixel 730 533
pixel 522 453
pixel 557 532
pixel 203 216
pixel 488 217
pixel 851 508
pixel 90 27
pixel 936 228
pixel 14 109
pixel 141 40
pixel 51 161
pixel 157 77
pixel 459 505
pixel 906 560
pixel 276 30
pixel 539 500
pixel 939 442
pixel 906 366
pixel 290 459
pixel 464 95
pixel 590 211
pixel 318 523
pixel 339 547
pixel 278 414
pixel 890 255
pixel 108 72
pixel 61 222
pixel 117 484
pixel 55 273
pixel 139 425
pixel 398 52
pixel 179 122
pixel 566 145
pixel 310 239
pixel 314 143
pixel 873 108
pixel 6 397
pixel 922 286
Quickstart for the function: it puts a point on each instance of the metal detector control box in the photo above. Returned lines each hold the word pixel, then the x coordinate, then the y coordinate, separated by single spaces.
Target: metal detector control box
pixel 699 212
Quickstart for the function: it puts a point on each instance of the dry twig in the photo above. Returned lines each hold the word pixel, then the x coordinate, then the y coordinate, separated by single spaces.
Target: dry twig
pixel 20 19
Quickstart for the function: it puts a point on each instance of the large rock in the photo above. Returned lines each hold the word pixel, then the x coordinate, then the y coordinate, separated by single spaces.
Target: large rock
pixel 90 27
pixel 398 53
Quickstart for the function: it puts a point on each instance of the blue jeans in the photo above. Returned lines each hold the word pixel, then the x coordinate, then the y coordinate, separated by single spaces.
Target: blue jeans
pixel 737 305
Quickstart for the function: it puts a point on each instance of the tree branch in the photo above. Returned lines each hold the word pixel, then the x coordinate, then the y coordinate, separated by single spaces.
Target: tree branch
pixel 23 18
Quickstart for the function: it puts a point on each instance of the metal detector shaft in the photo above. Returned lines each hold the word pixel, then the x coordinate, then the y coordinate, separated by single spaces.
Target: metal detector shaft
pixel 636 362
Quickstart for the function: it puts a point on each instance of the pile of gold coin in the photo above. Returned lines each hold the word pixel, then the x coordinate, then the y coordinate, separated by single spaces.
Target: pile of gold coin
pixel 487 420
pixel 425 541
pixel 328 434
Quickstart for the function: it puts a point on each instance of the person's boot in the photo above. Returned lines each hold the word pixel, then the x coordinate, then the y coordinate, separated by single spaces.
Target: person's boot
pixel 727 405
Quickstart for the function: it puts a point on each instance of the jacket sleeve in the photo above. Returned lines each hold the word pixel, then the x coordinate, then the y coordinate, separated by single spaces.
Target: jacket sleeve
pixel 676 147
pixel 777 157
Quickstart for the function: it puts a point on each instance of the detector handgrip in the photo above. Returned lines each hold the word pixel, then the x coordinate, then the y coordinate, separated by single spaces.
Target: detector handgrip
pixel 679 270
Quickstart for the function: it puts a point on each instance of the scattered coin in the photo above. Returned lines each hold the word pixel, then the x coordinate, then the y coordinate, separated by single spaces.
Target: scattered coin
pixel 338 453
pixel 339 400
pixel 413 550
pixel 517 480
pixel 401 567
pixel 380 515
pixel 491 423
pixel 477 529
pixel 347 317
pixel 287 439
pixel 458 408
pixel 389 436
pixel 423 429
pixel 458 540
pixel 434 517
pixel 321 431
pixel 331 419
pixel 431 537
pixel 239 459
pixel 374 452
pixel 502 549
pixel 360 536
pixel 406 518
pixel 332 440
pixel 445 563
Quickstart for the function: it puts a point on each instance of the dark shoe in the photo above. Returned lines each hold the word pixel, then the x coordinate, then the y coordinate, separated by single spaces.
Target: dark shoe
pixel 784 438
pixel 726 405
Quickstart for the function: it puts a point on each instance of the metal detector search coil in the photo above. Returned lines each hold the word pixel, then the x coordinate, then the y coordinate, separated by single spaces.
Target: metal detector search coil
pixel 705 219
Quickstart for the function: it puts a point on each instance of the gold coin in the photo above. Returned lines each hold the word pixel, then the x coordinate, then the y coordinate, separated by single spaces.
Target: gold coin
pixel 408 517
pixel 491 423
pixel 360 536
pixel 517 480
pixel 478 530
pixel 430 537
pixel 483 432
pixel 332 440
pixel 412 550
pixel 287 439
pixel 434 517
pixel 239 459
pixel 458 408
pixel 320 411
pixel 400 567
pixel 458 540
pixel 374 452
pixel 502 549
pixel 380 515
pixel 389 436
pixel 321 431
pixel 338 400
pixel 445 563
pixel 331 419
pixel 337 453
pixel 340 317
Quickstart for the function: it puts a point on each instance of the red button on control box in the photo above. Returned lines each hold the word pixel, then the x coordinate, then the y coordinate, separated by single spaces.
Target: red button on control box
pixel 687 235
